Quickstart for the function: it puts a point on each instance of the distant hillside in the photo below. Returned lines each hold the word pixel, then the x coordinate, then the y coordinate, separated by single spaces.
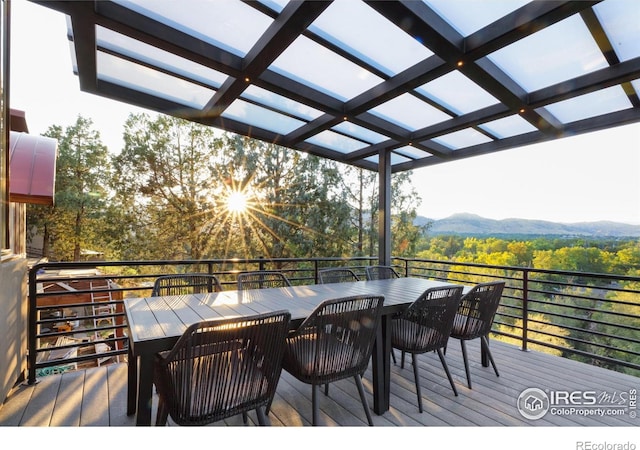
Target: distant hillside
pixel 471 224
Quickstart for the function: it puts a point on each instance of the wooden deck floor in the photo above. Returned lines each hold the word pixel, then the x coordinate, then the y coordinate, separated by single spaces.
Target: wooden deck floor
pixel 97 396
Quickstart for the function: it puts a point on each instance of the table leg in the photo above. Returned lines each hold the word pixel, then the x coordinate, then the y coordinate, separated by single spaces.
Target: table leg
pixel 145 389
pixel 381 366
pixel 132 382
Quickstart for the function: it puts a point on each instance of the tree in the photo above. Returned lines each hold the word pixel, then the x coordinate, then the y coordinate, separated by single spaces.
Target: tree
pixel 75 222
pixel 164 187
pixel 295 208
pixel 177 179
pixel 361 188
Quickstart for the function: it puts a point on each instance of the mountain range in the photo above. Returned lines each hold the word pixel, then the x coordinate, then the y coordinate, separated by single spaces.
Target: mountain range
pixel 471 224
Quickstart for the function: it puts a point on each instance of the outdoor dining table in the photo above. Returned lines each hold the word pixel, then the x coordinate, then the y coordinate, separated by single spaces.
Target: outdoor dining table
pixel 156 323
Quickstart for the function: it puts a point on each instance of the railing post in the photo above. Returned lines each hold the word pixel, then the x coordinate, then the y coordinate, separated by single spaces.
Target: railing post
pixel 32 327
pixel 261 263
pixel 525 308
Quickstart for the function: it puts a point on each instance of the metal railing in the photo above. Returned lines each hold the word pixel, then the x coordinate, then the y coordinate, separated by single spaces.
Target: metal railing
pixel 594 318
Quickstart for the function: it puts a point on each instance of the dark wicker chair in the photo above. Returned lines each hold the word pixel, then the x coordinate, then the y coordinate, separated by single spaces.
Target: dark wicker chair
pixel 221 368
pixel 425 326
pixel 262 279
pixel 186 283
pixel 333 343
pixel 475 317
pixel 338 275
pixel 381 272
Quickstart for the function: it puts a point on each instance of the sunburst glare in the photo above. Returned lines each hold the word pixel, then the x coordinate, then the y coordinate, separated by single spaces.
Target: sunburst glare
pixel 237 202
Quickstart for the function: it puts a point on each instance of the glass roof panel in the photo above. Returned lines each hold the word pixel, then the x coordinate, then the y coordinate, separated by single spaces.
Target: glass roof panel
pixel 260 117
pixel 395 159
pixel 457 93
pixel 590 105
pixel 237 25
pixel 336 141
pixel 469 16
pixel 622 25
pixel 463 138
pixel 409 112
pixel 281 103
pixel 364 33
pixel 153 55
pixel 508 127
pixel 411 152
pixel 557 53
pixel 135 76
pixel 359 132
pixel 316 66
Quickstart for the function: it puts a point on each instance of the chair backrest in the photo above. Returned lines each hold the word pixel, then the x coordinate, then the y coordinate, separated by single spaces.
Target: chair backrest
pixel 337 275
pixel 477 310
pixel 336 340
pixel 426 324
pixel 187 283
pixel 381 272
pixel 262 279
pixel 221 368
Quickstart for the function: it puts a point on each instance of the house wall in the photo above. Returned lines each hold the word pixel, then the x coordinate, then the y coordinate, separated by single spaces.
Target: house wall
pixel 13 323
pixel 17 228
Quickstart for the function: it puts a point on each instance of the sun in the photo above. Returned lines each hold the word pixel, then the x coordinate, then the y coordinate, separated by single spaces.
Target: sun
pixel 237 202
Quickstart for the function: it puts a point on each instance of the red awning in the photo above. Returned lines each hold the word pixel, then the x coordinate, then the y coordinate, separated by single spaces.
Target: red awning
pixel 32 168
pixel 18 121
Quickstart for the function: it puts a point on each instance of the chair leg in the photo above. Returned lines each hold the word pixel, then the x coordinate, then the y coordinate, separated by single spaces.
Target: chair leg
pixel 466 362
pixel 245 418
pixel 393 356
pixel 446 369
pixel 363 399
pixel 314 405
pixel 262 418
pixel 402 360
pixel 485 344
pixel 416 376
pixel 162 414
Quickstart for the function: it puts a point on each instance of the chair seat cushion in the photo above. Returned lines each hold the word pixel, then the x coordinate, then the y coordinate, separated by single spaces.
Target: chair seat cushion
pixel 412 337
pixel 320 361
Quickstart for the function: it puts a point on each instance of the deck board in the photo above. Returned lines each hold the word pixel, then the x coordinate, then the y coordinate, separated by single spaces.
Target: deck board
pixel 97 396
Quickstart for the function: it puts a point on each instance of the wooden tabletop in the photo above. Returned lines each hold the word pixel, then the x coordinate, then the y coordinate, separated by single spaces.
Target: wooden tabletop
pixel 153 318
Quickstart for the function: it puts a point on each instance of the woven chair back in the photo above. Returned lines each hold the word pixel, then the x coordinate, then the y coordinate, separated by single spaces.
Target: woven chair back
pixel 381 272
pixel 222 368
pixel 426 324
pixel 189 283
pixel 262 280
pixel 338 275
pixel 477 310
pixel 335 341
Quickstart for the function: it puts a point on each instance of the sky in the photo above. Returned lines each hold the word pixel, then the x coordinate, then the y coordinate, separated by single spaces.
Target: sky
pixel 590 177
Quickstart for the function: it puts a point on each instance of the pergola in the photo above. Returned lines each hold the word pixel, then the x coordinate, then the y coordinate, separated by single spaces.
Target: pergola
pixel 382 85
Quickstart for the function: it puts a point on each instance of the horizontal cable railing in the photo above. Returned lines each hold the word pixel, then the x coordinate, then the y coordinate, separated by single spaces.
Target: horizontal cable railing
pixel 76 314
pixel 590 317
